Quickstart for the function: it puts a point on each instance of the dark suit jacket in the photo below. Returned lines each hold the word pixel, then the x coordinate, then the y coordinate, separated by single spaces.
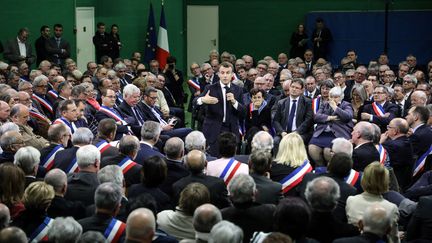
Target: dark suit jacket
pixel 110 151
pixel 214 114
pixel 41 52
pixel 400 152
pixel 347 92
pixel 325 227
pixel 340 128
pixel 366 237
pixel 12 54
pixel 64 158
pixel 304 117
pixel 121 129
pixel 98 222
pixel 146 152
pixel 382 122
pixel 132 176
pixel 60 207
pixel 129 117
pixel 255 119
pixel 103 45
pixel 216 186
pixel 148 114
pixel 268 190
pixel 82 187
pixel 163 201
pixel 175 172
pixel 364 155
pixel 421 140
pixel 54 51
pixel 420 225
pixel 250 217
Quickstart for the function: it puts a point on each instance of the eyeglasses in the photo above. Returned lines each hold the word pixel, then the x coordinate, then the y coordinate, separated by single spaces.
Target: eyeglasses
pixel 408 81
pixel 378 93
pixel 153 98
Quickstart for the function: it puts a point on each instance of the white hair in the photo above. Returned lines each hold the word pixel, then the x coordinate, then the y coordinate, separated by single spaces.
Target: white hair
pixel 87 155
pixel 82 135
pixel 130 89
pixel 111 173
pixel 336 92
pixel 342 145
pixel 195 140
pixel 262 141
pixel 39 79
pixel 64 230
pixel 8 126
pixel 27 158
pixel 226 232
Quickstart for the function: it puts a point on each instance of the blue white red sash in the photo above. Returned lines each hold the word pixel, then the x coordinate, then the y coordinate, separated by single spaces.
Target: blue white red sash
pixel 229 171
pixel 420 163
pixel 252 108
pixel 43 102
pixel 53 94
pixel 114 230
pixel 48 161
pixel 382 153
pixel 36 114
pixel 194 85
pixel 378 109
pixel 295 177
pixel 316 103
pixel 41 233
pixel 71 125
pixel 112 114
pixel 73 167
pixel 126 164
pixel 353 177
pixel 103 145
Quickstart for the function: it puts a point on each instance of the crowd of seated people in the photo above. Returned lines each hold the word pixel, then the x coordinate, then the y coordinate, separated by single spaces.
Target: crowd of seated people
pixel 285 150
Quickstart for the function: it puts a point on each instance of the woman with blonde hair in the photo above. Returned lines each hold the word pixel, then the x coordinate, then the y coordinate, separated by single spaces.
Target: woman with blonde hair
pixel 375 182
pixel 359 99
pixel 291 163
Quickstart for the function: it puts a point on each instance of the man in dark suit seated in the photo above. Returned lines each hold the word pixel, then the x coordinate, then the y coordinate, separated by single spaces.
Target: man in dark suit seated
pixel 107 200
pixel 400 150
pixel 421 138
pixel 174 151
pixel 224 107
pixel 152 113
pixel 130 110
pixel 82 185
pixel 381 111
pixel 150 133
pixel 60 207
pixel 58 136
pixel 66 160
pixel 128 148
pixel 364 151
pixel 196 162
pixel 10 142
pixel 311 90
pixel 268 190
pixel 248 214
pixel 375 225
pixel 293 114
pixel 106 133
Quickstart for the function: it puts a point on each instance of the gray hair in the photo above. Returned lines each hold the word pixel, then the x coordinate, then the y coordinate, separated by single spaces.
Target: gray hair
pixel 13 234
pixel 108 196
pixel 226 232
pixel 111 173
pixel 128 145
pixel 8 126
pixel 56 178
pixel 322 193
pixel 366 130
pixel 130 89
pixel 150 130
pixel 27 158
pixel 64 230
pixel 119 66
pixel 376 220
pixel 82 135
pixel 262 141
pixel 8 139
pixel 195 140
pixel 174 148
pixel 77 90
pixel 22 83
pixel 92 237
pixel 342 145
pixel 87 155
pixel 39 79
pixel 205 217
pixel 412 77
pixel 336 92
pixel 242 188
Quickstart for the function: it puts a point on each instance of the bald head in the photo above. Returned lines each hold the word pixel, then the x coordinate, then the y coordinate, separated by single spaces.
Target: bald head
pixel 376 220
pixel 57 179
pixel 4 111
pixel 418 98
pixel 140 225
pixel 196 161
pixel 205 217
pixel 13 234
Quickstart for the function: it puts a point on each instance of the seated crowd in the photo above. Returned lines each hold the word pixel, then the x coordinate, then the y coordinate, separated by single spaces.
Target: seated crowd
pixel 278 151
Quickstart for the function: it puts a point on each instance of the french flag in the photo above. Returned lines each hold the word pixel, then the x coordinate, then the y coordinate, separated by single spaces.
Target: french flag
pixel 162 50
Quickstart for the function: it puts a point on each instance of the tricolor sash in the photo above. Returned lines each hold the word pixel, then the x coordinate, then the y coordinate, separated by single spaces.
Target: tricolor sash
pixel 73 167
pixel 53 94
pixel 48 161
pixel 42 230
pixel 36 114
pixel 352 178
pixel 229 171
pixel 316 103
pixel 193 85
pixel 251 108
pixel 112 114
pixel 126 164
pixel 378 109
pixel 114 230
pixel 295 177
pixel 71 125
pixel 383 154
pixel 420 163
pixel 43 102
pixel 102 145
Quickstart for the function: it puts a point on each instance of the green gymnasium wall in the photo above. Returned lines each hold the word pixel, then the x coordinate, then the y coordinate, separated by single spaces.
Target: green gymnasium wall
pixel 257 27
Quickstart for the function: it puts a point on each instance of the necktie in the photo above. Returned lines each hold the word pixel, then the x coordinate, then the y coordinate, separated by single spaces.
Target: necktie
pixel 58 42
pixel 291 115
pixel 137 116
pixel 226 104
pixel 161 121
pixel 308 66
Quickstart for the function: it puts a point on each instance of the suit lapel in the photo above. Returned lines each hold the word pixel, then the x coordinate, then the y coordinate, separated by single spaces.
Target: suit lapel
pixel 300 110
